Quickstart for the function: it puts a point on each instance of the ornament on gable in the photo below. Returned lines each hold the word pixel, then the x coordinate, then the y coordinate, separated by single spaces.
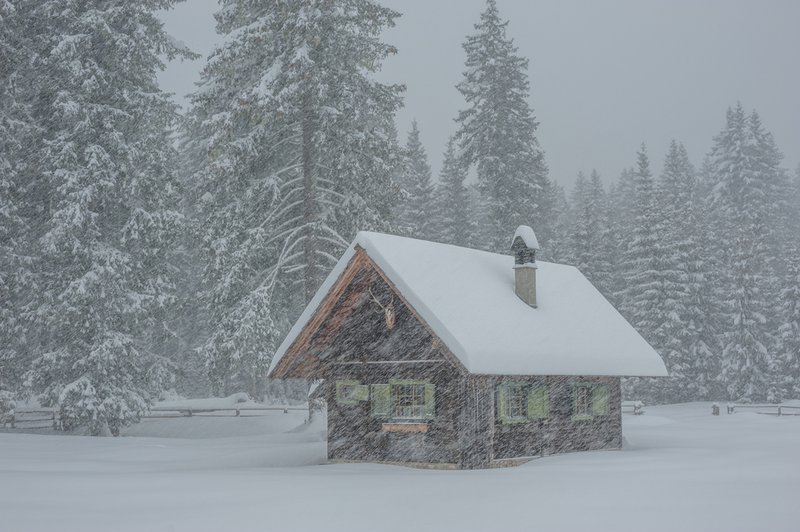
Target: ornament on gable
pixel 389 314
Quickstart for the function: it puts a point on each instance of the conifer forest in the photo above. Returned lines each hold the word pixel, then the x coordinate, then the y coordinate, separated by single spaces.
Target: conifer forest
pixel 147 249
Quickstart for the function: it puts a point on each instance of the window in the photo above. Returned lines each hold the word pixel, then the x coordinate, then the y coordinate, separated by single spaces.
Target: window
pixel 591 400
pixel 516 402
pixel 582 394
pixel 351 392
pixel 519 402
pixel 403 400
pixel 408 401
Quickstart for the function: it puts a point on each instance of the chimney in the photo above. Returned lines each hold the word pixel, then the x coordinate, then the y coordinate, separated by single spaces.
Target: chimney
pixel 524 246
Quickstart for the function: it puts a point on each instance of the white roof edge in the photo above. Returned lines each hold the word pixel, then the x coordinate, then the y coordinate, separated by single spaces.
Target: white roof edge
pixel 527 235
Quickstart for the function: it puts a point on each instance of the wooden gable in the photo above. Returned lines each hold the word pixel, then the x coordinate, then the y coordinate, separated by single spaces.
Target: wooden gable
pixel 352 326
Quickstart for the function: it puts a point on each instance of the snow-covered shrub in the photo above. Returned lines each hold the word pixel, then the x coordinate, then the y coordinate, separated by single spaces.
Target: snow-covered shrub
pixel 101 412
pixel 240 397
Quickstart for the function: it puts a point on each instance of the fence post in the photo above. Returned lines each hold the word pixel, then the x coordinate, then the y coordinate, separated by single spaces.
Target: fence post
pixel 13 420
pixel 779 410
pixel 237 411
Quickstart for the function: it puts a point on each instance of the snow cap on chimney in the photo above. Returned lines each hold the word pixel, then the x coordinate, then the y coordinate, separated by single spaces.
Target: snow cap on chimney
pixel 524 246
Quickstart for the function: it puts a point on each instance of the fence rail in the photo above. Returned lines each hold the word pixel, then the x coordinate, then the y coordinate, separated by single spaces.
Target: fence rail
pixel 769 410
pixel 18 419
pixel 162 411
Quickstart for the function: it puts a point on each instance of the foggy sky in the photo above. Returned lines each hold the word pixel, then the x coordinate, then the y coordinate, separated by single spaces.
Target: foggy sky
pixel 605 77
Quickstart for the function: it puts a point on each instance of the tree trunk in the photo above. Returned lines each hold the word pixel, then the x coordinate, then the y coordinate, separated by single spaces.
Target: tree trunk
pixel 309 202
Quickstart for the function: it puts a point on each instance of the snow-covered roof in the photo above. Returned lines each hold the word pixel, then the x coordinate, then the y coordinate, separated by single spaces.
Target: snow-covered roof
pixel 467 298
pixel 527 235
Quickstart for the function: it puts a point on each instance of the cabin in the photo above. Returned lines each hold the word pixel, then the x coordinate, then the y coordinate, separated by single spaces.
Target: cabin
pixel 442 356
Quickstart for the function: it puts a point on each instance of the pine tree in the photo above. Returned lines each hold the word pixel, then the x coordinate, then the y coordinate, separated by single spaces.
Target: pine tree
pixel 299 155
pixel 603 264
pixel 580 241
pixel 590 250
pixel 642 254
pixel 691 362
pixel 642 298
pixel 788 345
pixel 619 216
pixel 558 246
pixel 497 134
pixel 14 127
pixel 741 173
pixel 456 223
pixel 416 216
pixel 107 167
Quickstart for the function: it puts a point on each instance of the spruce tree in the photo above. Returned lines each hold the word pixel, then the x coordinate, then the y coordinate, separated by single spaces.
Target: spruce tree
pixel 416 216
pixel 581 230
pixel 642 254
pixel 15 125
pixel 691 362
pixel 642 297
pixel 741 172
pixel 558 246
pixel 299 156
pixel 619 215
pixel 603 261
pixel 590 231
pixel 497 134
pixel 456 222
pixel 110 221
pixel 788 345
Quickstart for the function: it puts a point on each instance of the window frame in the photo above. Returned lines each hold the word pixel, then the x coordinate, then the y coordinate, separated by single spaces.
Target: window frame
pixel 415 391
pixel 526 391
pixel 593 391
pixel 383 399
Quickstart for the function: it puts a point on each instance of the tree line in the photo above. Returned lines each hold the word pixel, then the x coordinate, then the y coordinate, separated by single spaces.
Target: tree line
pixel 143 250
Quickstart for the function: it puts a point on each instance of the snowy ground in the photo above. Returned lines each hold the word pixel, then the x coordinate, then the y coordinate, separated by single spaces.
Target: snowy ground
pixel 682 470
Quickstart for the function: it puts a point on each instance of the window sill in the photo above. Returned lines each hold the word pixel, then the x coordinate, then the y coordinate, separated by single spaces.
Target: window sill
pixel 582 417
pixel 515 421
pixel 405 427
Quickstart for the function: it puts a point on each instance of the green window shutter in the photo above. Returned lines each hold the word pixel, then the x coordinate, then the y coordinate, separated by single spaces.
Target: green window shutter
pixel 600 400
pixel 538 402
pixel 501 403
pixel 430 401
pixel 362 392
pixel 381 400
pixel 342 397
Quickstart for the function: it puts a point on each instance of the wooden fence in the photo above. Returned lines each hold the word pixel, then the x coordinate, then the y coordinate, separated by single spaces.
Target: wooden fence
pixel 163 412
pixel 770 410
pixel 31 419
pixel 44 419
